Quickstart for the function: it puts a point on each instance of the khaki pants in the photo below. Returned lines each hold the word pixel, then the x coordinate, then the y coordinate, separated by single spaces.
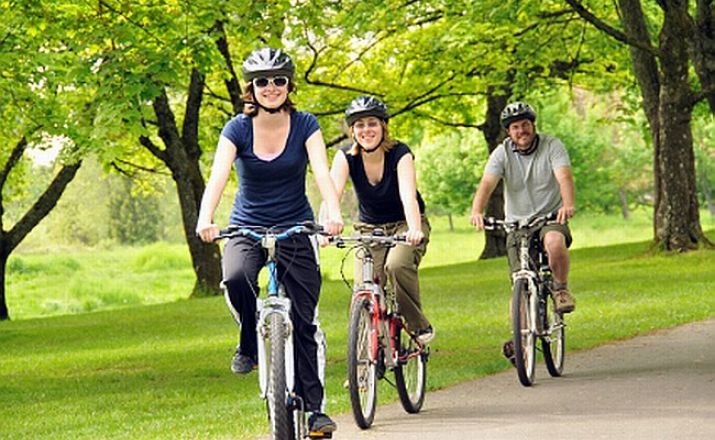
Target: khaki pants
pixel 400 264
pixel 512 242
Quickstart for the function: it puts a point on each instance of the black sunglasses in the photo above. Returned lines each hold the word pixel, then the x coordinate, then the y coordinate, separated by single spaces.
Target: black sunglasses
pixel 278 81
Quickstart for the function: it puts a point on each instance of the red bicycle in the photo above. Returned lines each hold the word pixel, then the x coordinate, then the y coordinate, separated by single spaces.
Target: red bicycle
pixel 378 338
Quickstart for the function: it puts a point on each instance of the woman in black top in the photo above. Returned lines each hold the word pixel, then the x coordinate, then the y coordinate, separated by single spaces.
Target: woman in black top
pixel 382 171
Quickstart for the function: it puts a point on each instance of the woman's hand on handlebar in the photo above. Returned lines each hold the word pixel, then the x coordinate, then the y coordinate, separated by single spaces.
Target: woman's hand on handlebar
pixel 207 231
pixel 414 237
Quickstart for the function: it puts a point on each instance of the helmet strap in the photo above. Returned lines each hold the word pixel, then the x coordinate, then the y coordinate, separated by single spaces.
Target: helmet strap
pixel 534 145
pixel 371 150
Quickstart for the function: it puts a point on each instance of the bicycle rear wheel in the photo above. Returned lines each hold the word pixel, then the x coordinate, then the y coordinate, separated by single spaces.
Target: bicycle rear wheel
pixel 410 372
pixel 554 343
pixel 524 336
pixel 281 420
pixel 362 378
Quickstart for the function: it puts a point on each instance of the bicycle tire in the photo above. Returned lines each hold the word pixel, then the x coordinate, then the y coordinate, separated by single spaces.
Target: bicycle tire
pixel 281 423
pixel 553 343
pixel 523 334
pixel 410 373
pixel 362 374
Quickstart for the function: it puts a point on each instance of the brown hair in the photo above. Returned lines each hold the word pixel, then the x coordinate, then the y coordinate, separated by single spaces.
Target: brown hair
pixel 387 143
pixel 252 110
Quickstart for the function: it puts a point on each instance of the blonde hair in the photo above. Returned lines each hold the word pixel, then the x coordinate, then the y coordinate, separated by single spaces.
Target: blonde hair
pixel 387 142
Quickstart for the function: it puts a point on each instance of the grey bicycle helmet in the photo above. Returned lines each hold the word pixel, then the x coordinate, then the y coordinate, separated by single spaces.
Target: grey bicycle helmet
pixel 517 111
pixel 365 106
pixel 267 61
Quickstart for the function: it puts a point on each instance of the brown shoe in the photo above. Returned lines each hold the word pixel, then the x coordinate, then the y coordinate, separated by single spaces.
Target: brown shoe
pixel 564 301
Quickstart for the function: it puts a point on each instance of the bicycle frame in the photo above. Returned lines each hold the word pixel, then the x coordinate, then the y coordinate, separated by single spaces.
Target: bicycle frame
pixel 382 327
pixel 535 275
pixel 375 322
pixel 276 303
pixel 530 296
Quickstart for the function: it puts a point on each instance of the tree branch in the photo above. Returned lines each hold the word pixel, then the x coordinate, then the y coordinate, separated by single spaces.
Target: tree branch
pixel 608 29
pixel 313 63
pixel 232 85
pixel 115 164
pixel 449 123
pixel 42 206
pixel 153 149
pixel 131 21
pixel 190 128
pixel 336 141
pixel 14 158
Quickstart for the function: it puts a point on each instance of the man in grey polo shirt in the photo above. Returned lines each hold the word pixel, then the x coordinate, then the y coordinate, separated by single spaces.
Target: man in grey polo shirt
pixel 537 181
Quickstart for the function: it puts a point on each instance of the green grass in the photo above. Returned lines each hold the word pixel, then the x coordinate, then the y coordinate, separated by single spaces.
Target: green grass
pixel 161 371
pixel 51 281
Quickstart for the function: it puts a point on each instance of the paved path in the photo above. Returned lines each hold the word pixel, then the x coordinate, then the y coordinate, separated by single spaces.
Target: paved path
pixel 660 386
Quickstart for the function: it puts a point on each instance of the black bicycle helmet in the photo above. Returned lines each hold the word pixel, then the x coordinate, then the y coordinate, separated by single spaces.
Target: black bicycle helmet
pixel 517 111
pixel 365 106
pixel 267 61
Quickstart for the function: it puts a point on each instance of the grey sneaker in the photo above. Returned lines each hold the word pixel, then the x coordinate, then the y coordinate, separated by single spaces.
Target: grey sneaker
pixel 242 364
pixel 564 301
pixel 319 423
pixel 425 335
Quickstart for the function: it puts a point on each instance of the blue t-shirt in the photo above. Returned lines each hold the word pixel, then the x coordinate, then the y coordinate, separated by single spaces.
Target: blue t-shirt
pixel 380 203
pixel 271 192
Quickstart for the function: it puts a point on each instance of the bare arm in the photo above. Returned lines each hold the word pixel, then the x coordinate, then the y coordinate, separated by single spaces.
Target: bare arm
pixel 220 172
pixel 339 174
pixel 319 163
pixel 568 193
pixel 407 182
pixel 481 197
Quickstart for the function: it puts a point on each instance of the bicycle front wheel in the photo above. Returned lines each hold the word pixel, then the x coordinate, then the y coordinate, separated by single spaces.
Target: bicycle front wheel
pixel 410 372
pixel 524 334
pixel 554 342
pixel 362 377
pixel 281 424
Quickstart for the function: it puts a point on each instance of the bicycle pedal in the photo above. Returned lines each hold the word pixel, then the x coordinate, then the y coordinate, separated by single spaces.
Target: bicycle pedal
pixel 318 434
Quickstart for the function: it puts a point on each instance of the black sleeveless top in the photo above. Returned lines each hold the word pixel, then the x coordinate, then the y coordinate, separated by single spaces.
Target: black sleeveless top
pixel 380 203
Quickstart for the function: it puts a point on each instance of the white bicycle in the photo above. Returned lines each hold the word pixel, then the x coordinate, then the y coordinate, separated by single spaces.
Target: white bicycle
pixel 286 411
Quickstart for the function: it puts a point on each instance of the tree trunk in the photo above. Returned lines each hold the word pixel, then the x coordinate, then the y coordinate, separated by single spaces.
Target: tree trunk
pixel 4 313
pixel 451 222
pixel 707 193
pixel 495 241
pixel 625 211
pixel 181 155
pixel 39 210
pixel 677 217
pixel 703 48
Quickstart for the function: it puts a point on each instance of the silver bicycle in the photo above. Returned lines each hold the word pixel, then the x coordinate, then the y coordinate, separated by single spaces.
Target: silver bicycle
pixel 533 311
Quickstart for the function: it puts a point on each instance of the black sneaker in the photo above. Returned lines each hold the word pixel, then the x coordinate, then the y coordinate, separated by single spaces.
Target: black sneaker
pixel 508 351
pixel 242 364
pixel 320 423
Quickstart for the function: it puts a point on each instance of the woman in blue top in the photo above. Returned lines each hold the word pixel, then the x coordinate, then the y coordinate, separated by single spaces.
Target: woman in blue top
pixel 270 145
pixel 383 174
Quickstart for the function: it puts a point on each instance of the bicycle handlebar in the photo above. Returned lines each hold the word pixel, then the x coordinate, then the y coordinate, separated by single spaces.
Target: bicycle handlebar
pixel 491 223
pixel 258 232
pixel 368 239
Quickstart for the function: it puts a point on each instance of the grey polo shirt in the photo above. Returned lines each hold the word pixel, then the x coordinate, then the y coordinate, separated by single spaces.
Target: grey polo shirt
pixel 530 186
